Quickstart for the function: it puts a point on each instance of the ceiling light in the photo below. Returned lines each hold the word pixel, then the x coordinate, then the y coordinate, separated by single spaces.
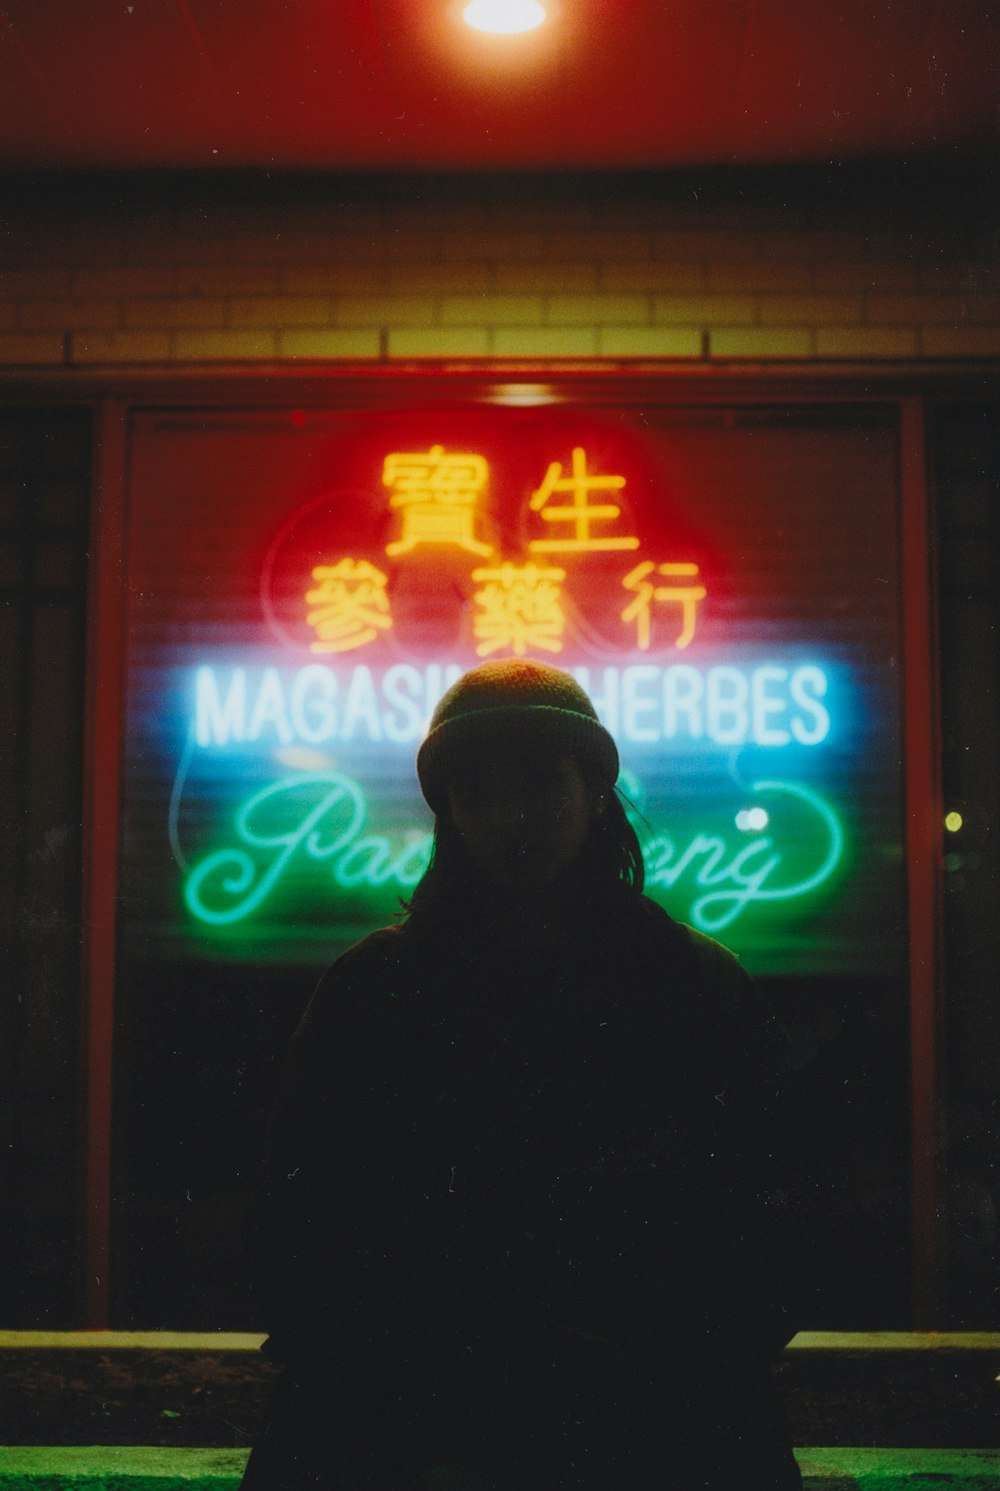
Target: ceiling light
pixel 522 395
pixel 504 17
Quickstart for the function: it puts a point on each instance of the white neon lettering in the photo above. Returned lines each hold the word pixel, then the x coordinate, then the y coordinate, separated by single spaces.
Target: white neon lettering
pixel 766 705
pixel 644 704
pixel 437 680
pixel 270 709
pixel 683 690
pixel 217 723
pixel 636 702
pixel 361 705
pixel 727 691
pixel 403 687
pixel 809 685
pixel 311 704
pixel 605 698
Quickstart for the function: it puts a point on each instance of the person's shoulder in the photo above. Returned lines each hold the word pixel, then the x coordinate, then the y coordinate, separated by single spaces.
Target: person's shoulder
pixel 735 1006
pixel 715 965
pixel 381 948
pixel 719 983
pixel 363 977
pixel 719 966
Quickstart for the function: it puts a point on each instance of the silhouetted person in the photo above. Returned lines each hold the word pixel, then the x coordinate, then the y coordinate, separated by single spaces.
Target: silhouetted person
pixel 517 1217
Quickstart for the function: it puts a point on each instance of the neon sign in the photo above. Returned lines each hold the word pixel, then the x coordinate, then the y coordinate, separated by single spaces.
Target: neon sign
pixel 769 705
pixel 686 596
pixel 322 817
pixel 350 605
pixel 579 514
pixel 706 584
pixel 519 606
pixel 437 493
pixel 520 609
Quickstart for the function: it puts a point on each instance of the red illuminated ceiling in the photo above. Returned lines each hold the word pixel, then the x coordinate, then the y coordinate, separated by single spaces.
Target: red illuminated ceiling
pixel 397 84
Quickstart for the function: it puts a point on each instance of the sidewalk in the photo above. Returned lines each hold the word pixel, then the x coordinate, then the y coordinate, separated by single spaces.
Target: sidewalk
pixel 116 1468
pixel 876 1411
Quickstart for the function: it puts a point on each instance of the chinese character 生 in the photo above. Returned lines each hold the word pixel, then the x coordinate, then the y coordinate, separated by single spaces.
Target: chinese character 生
pixel 578 515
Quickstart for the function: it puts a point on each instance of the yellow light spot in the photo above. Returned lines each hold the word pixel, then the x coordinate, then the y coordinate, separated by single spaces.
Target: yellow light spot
pixel 302 758
pixel 503 17
pixel 523 395
pixel 953 822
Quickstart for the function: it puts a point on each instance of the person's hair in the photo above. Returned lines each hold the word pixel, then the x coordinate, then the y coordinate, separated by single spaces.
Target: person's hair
pixel 610 863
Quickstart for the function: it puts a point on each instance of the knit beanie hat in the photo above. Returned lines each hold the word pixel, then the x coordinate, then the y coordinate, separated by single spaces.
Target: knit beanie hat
pixel 519 700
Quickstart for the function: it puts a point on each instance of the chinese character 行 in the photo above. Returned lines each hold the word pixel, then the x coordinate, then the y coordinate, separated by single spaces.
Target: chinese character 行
pixel 437 493
pixel 520 609
pixel 686 596
pixel 350 605
pixel 578 514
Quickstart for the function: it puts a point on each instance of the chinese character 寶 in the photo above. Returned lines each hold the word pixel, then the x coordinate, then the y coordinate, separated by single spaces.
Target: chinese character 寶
pixel 520 609
pixel 437 493
pixel 350 605
pixel 646 592
pixel 579 514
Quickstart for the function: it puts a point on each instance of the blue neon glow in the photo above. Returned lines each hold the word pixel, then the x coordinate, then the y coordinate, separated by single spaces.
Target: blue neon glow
pixel 767 704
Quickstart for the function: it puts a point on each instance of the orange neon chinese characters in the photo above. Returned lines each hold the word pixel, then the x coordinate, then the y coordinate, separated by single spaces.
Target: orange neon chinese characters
pixel 520 609
pixel 646 593
pixel 437 493
pixel 578 515
pixel 350 605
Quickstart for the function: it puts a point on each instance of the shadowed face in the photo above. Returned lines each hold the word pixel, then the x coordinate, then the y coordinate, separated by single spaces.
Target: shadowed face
pixel 522 816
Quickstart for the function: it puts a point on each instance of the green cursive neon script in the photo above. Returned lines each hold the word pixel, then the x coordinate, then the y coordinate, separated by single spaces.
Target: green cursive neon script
pixel 746 876
pixel 321 817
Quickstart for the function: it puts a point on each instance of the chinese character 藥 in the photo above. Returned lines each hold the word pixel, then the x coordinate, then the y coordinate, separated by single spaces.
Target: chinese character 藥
pixel 578 515
pixel 686 596
pixel 437 493
pixel 350 605
pixel 520 609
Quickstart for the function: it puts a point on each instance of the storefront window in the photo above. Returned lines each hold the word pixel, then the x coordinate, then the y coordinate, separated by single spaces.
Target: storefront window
pixel 303 585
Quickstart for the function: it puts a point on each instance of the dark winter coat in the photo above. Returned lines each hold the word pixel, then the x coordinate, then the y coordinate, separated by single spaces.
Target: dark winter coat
pixel 495 1175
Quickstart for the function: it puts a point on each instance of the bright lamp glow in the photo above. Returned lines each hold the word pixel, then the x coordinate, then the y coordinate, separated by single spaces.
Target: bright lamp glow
pixel 750 820
pixel 504 17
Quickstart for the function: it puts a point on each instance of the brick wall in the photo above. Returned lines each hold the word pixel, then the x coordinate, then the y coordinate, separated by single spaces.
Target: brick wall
pixel 801 266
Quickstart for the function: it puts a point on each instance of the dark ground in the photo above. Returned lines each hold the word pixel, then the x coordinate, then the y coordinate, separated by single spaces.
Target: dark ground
pixel 942 1399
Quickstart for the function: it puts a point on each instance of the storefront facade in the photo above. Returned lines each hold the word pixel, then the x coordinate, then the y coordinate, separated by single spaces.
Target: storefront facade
pixel 281 461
